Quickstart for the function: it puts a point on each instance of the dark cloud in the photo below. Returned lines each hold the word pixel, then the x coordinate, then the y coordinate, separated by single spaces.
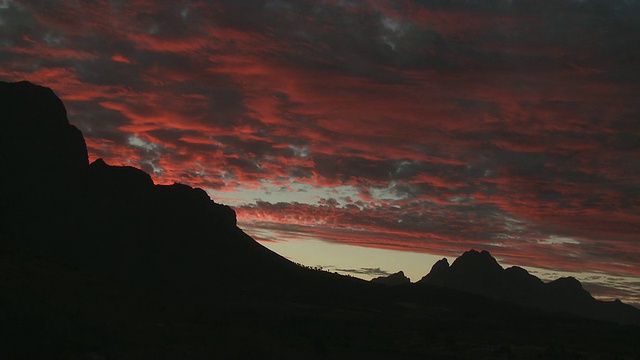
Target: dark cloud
pixel 364 271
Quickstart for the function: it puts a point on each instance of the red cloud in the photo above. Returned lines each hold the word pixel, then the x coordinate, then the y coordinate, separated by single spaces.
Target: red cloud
pixel 120 58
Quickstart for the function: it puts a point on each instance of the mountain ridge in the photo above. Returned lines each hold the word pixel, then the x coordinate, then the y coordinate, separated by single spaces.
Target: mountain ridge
pixel 479 273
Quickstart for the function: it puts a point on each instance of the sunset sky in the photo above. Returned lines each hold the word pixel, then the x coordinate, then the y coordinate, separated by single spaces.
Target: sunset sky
pixel 368 137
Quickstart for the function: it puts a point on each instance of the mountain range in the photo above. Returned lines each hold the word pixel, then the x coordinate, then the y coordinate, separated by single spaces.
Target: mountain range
pixel 479 273
pixel 98 262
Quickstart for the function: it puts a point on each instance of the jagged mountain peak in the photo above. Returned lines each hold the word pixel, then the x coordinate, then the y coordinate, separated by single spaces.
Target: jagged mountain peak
pixel 440 265
pixel 479 273
pixel 476 261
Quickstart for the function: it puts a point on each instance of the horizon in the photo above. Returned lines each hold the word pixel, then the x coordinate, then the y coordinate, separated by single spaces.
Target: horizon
pixel 369 135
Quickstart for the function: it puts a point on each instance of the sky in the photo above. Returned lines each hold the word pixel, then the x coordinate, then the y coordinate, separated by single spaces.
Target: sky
pixel 368 137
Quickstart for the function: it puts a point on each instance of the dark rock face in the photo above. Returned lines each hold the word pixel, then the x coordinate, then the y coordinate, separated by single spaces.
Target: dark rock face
pixel 393 280
pixel 479 273
pixel 111 220
pixel 44 160
pixel 38 146
pixel 31 106
pixel 118 178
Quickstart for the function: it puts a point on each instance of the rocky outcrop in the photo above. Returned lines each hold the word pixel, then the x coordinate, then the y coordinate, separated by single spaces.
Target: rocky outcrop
pixel 38 146
pixel 118 178
pixel 392 280
pixel 44 162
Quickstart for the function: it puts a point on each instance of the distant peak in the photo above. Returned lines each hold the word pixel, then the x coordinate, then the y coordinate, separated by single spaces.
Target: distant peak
pixel 394 279
pixel 438 274
pixel 568 282
pixel 477 261
pixel 482 254
pixel 474 252
pixel 440 265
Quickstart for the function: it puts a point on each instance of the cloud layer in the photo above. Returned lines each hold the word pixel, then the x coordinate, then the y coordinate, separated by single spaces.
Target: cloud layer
pixel 430 126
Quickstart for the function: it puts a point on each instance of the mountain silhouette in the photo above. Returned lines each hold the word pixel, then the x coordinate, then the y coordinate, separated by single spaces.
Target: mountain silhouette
pixel 98 262
pixel 113 219
pixel 479 273
pixel 394 279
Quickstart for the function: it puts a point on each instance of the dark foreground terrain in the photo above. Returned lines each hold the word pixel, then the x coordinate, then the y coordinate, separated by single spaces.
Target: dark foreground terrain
pixel 97 262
